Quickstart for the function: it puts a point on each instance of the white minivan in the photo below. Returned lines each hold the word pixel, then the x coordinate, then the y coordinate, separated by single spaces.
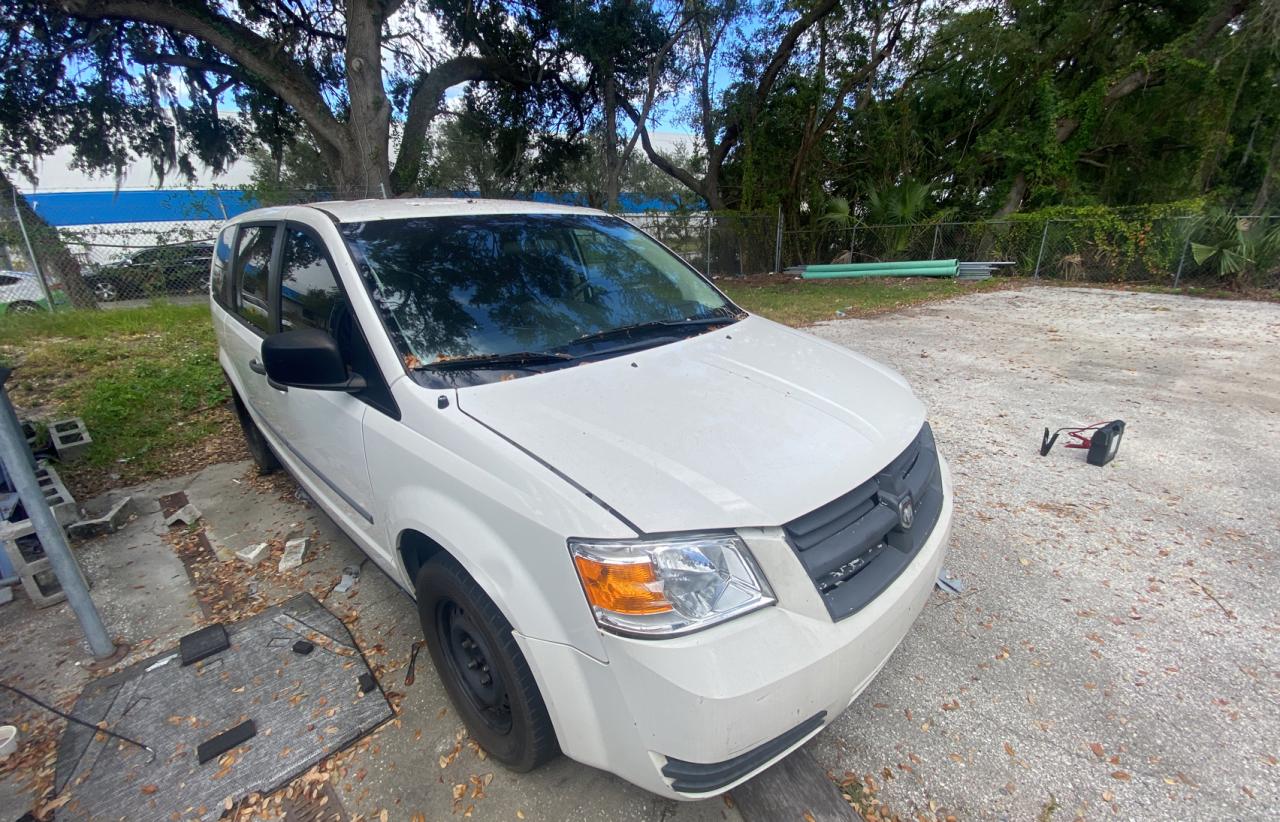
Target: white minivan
pixel 643 527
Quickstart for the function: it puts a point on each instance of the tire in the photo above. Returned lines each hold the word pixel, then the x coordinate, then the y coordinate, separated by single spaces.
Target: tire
pixel 261 452
pixel 24 307
pixel 506 717
pixel 105 291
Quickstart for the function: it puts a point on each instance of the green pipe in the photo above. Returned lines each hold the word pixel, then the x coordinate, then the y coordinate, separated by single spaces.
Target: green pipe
pixel 909 264
pixel 869 274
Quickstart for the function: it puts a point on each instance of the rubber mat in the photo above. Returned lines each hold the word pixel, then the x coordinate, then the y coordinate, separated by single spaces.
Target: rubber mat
pixel 302 707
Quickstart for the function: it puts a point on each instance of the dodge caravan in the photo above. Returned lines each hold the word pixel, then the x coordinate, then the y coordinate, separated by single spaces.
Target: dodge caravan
pixel 643 527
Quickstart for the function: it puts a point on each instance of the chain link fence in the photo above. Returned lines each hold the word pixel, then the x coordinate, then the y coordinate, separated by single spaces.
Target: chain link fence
pixel 43 268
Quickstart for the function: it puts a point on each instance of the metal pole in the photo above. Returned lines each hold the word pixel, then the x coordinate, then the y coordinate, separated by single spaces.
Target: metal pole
pixel 777 246
pixel 706 262
pixel 1182 259
pixel 933 255
pixel 1040 257
pixel 31 254
pixel 17 460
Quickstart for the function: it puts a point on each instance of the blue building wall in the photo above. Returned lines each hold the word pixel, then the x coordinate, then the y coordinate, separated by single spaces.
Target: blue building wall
pixel 71 208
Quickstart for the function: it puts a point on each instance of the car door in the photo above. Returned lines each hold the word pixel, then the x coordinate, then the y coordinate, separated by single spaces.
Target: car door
pixel 249 317
pixel 324 430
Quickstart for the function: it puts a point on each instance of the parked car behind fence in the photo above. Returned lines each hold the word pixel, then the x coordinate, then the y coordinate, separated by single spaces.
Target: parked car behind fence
pixel 21 292
pixel 168 269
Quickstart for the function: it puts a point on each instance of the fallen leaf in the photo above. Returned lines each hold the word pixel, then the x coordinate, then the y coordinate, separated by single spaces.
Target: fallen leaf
pixel 1122 775
pixel 1009 749
pixel 1097 749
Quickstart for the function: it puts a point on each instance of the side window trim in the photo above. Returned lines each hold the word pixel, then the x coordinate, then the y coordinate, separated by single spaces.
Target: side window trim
pixel 277 293
pixel 232 282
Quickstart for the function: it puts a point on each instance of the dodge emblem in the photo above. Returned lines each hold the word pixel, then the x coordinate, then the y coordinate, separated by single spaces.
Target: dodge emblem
pixel 906 513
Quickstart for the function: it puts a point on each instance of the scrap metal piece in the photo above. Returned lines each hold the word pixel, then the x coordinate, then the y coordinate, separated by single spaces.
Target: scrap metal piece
pixel 949 584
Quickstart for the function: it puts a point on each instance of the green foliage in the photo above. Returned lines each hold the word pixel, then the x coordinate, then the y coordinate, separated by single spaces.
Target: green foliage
pixel 1240 248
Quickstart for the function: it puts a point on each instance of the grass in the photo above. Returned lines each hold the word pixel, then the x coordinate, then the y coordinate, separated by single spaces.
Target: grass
pixel 146 381
pixel 804 302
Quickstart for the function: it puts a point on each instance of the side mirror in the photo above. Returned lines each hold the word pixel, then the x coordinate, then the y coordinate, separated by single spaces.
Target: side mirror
pixel 308 358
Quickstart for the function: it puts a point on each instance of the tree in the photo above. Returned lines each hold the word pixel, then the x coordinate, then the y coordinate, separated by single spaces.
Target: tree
pixel 116 78
pixel 721 123
pixel 53 257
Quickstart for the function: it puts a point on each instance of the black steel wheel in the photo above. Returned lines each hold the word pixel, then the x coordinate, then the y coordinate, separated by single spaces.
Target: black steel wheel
pixel 482 667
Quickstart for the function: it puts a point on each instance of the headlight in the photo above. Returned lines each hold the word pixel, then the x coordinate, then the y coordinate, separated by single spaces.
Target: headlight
pixel 674 585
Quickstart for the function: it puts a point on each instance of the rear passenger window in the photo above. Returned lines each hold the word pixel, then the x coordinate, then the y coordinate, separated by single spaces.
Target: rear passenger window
pixel 249 279
pixel 309 293
pixel 221 259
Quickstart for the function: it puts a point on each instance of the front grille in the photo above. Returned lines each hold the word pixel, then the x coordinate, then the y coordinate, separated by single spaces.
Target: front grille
pixel 855 546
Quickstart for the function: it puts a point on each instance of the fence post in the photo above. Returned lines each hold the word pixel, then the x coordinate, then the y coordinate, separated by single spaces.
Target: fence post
pixel 937 227
pixel 31 254
pixel 777 246
pixel 706 261
pixel 1040 257
pixel 1183 257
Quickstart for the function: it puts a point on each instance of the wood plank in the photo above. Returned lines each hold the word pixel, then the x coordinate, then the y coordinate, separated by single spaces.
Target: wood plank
pixel 795 790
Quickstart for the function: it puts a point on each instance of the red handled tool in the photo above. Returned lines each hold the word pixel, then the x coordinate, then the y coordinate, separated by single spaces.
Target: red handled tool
pixel 1102 440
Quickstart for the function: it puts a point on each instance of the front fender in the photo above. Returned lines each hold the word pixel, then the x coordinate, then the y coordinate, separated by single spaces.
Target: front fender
pixel 504 518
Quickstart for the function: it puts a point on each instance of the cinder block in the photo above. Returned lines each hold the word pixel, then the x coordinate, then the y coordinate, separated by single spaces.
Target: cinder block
pixel 57 495
pixel 108 523
pixel 20 544
pixel 41 584
pixel 70 439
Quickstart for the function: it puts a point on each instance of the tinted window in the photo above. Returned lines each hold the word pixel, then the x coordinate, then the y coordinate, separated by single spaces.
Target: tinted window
pixel 221 259
pixel 494 284
pixel 7 280
pixel 309 293
pixel 252 263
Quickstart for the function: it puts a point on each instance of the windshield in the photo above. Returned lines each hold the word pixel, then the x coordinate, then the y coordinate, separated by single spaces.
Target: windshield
pixel 491 285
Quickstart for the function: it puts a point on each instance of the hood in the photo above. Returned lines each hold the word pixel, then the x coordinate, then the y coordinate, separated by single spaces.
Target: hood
pixel 753 424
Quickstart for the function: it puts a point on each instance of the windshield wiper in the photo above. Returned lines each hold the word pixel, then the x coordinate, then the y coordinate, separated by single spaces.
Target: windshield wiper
pixel 514 358
pixel 653 325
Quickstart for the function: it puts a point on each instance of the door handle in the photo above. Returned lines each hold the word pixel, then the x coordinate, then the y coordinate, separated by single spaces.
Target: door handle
pixel 256 367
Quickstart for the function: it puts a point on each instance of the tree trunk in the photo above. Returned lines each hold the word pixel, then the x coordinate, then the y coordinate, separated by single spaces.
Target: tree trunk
pixel 1263 197
pixel 364 166
pixel 612 166
pixel 55 260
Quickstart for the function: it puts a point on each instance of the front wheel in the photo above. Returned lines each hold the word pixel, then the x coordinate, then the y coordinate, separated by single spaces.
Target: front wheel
pixel 482 667
pixel 105 291
pixel 24 307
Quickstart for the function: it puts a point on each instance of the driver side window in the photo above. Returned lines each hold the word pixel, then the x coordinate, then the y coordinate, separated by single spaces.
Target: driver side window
pixel 250 274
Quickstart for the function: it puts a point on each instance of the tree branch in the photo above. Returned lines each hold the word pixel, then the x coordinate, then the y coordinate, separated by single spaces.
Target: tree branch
pixel 664 165
pixel 254 53
pixel 427 100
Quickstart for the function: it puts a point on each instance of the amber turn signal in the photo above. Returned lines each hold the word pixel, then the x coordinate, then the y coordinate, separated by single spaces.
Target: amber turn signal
pixel 623 588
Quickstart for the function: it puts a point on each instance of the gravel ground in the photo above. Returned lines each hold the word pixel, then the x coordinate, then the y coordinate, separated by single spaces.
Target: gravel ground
pixel 1113 651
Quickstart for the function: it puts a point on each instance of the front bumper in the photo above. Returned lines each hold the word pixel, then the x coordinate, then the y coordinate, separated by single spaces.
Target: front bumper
pixel 693 716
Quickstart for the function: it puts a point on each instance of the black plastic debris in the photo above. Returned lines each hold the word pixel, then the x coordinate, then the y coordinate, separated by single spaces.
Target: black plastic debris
pixel 203 643
pixel 303 647
pixel 367 683
pixel 225 741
